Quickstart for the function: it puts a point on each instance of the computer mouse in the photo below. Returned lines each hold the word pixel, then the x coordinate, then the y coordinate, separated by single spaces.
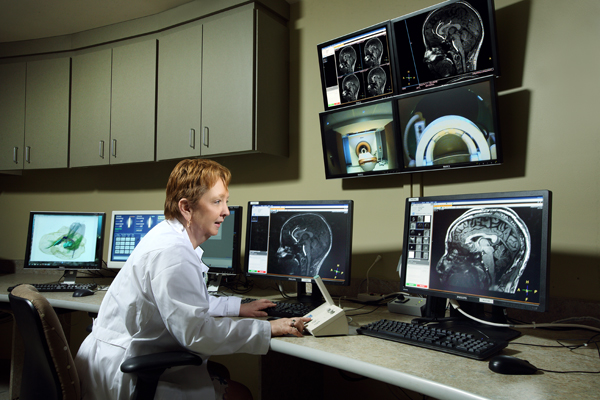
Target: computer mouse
pixel 509 365
pixel 82 292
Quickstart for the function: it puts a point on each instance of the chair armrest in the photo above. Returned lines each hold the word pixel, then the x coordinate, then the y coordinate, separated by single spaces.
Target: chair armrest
pixel 159 361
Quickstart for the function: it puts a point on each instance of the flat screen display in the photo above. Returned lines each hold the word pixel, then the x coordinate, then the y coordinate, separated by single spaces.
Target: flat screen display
pixel 222 252
pixel 357 67
pixel 127 228
pixel 490 248
pixel 445 43
pixel 65 240
pixel 449 127
pixel 297 240
pixel 361 140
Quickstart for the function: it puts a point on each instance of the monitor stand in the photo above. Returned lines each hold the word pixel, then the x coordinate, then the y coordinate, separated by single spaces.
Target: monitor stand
pixel 314 299
pixel 69 277
pixel 435 317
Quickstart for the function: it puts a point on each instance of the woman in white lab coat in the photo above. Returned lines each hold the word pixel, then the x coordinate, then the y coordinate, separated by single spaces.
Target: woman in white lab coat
pixel 159 300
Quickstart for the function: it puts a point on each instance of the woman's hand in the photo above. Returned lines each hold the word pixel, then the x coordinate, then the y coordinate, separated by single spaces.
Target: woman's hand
pixel 286 326
pixel 254 308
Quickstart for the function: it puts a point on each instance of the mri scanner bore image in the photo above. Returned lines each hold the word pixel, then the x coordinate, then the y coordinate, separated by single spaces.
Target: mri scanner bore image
pixel 486 249
pixel 451 126
pixel 306 244
pixel 359 140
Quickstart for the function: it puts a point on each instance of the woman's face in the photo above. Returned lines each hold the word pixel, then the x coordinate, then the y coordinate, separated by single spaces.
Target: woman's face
pixel 208 214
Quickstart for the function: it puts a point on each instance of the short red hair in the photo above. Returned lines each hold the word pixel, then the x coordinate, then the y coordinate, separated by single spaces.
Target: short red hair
pixel 190 179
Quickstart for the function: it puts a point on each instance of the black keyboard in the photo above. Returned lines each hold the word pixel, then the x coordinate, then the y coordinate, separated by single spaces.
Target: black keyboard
pixel 59 287
pixel 445 340
pixel 286 310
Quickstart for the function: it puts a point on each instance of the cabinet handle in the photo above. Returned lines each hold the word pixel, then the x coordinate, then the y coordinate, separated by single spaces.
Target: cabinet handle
pixel 193 138
pixel 27 154
pixel 101 149
pixel 205 136
pixel 15 153
pixel 114 148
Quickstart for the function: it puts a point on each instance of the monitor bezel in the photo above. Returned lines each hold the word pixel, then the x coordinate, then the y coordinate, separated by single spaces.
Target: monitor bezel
pixel 392 62
pixel 489 19
pixel 483 300
pixel 119 264
pixel 237 245
pixel 298 279
pixel 95 265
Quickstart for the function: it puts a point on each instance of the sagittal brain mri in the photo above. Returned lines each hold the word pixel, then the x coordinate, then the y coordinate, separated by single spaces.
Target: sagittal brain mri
pixel 350 88
pixel 66 243
pixel 453 35
pixel 377 79
pixel 373 52
pixel 486 249
pixel 347 60
pixel 305 241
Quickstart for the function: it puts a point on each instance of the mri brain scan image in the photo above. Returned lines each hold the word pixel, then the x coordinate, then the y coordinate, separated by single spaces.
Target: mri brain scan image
pixel 305 241
pixel 347 60
pixel 376 81
pixel 486 249
pixel 453 35
pixel 373 53
pixel 350 88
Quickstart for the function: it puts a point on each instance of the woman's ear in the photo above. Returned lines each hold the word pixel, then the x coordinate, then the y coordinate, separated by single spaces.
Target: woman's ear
pixel 185 209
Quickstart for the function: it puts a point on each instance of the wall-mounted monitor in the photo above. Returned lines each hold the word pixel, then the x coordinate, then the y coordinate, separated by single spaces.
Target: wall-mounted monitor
pixel 453 126
pixel 66 241
pixel 357 67
pixel 361 140
pixel 445 43
pixel 127 228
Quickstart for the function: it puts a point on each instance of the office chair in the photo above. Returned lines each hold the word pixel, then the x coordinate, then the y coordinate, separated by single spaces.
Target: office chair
pixel 48 368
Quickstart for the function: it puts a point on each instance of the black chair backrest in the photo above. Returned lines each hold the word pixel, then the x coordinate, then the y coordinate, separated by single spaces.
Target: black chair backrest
pixel 40 379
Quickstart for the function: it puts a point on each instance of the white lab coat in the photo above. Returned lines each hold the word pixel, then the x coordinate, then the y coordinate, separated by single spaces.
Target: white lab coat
pixel 159 302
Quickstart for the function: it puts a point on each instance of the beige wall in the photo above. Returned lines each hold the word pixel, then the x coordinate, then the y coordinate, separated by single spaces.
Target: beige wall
pixel 548 101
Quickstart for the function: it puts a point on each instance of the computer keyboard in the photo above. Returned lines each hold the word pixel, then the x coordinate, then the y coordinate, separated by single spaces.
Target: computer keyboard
pixel 433 338
pixel 59 287
pixel 285 310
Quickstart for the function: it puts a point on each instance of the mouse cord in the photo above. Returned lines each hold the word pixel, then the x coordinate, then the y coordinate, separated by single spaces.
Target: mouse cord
pixel 533 325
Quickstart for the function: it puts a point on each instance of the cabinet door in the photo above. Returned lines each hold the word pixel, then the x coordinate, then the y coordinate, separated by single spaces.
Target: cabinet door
pixel 12 116
pixel 47 114
pixel 228 84
pixel 90 109
pixel 133 103
pixel 179 94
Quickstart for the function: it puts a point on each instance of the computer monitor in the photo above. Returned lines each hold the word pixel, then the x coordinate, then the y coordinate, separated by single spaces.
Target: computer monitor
pixel 361 140
pixel 221 253
pixel 448 42
pixel 357 67
pixel 66 241
pixel 298 240
pixel 127 228
pixel 480 249
pixel 455 126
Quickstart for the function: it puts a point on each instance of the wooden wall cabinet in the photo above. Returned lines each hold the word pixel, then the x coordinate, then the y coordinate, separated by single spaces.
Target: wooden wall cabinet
pixel 12 116
pixel 47 113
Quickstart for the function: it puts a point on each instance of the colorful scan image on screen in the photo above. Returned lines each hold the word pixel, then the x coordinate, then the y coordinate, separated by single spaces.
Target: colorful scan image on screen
pixel 360 140
pixel 445 43
pixel 452 126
